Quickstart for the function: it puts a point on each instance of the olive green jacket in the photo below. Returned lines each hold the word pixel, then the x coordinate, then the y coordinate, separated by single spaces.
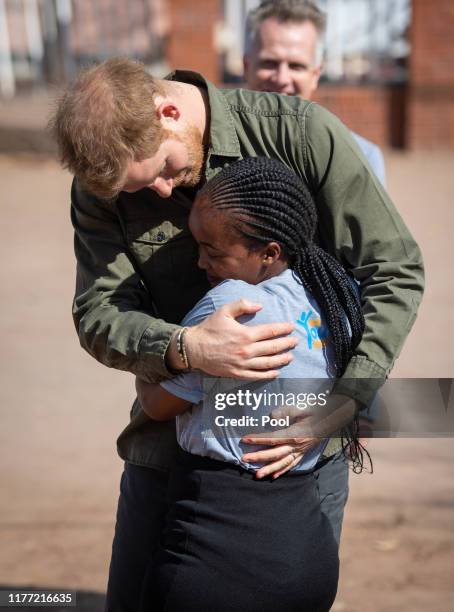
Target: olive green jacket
pixel 137 272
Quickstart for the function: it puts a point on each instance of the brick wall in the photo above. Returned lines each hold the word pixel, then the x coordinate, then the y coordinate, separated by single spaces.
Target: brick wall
pixel 191 40
pixel 420 116
pixel 364 109
pixel 431 87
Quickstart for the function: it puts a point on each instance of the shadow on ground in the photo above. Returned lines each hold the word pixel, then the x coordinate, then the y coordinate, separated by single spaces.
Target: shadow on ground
pixel 86 601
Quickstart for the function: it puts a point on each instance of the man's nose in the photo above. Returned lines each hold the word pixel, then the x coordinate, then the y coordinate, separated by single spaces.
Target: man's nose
pixel 163 187
pixel 283 77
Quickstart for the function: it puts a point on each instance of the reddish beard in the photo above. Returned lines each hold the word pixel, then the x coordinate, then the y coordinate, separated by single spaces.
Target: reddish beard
pixel 192 140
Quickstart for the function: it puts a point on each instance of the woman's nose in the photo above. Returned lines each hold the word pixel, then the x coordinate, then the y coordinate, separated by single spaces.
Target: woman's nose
pixel 202 263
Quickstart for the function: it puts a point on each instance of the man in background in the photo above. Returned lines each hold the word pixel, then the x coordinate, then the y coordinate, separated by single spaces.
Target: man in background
pixel 284 54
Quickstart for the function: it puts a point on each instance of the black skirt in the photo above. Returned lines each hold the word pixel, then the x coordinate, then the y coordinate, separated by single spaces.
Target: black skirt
pixel 234 543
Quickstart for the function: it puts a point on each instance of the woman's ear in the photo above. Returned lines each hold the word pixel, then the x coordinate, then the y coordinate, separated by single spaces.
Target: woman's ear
pixel 271 253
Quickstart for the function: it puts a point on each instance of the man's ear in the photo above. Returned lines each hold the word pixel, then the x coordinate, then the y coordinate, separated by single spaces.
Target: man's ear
pixel 167 110
pixel 316 77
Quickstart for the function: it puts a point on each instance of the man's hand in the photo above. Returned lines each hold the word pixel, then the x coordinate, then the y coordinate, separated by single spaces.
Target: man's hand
pixel 307 431
pixel 221 346
pixel 287 445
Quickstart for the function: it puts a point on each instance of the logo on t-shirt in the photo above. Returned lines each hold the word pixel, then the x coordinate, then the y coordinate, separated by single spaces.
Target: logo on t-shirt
pixel 316 332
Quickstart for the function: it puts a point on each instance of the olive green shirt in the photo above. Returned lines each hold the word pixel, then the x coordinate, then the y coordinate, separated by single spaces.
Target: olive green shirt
pixel 137 272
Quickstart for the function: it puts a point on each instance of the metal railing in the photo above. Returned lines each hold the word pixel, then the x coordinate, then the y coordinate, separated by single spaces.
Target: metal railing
pixel 46 41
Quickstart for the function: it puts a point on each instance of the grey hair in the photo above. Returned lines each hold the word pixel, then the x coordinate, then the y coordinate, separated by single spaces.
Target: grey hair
pixel 296 11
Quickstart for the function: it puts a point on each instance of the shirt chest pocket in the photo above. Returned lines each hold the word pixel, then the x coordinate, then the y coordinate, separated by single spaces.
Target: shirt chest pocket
pixel 165 252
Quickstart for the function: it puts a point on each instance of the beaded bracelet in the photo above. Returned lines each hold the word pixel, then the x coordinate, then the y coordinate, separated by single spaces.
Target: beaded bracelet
pixel 181 348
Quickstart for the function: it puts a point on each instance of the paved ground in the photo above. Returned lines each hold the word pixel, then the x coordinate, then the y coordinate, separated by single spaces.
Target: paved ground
pixel 61 411
pixel 23 123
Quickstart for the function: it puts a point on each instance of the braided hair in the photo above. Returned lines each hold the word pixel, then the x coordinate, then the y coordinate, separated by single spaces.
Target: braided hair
pixel 267 202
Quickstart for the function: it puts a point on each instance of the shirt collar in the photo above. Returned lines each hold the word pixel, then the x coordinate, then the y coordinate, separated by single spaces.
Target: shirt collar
pixel 223 137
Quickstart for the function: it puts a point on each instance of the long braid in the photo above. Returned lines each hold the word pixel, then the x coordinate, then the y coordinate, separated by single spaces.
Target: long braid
pixel 268 202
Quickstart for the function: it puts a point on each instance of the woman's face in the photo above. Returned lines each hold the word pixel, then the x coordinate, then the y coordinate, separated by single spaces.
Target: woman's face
pixel 223 255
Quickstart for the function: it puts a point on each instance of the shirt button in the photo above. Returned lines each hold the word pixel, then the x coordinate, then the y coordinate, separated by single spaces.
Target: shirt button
pixel 160 237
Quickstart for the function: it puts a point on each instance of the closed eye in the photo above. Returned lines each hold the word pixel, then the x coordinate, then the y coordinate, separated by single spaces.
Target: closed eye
pixel 268 64
pixel 210 249
pixel 298 67
pixel 163 170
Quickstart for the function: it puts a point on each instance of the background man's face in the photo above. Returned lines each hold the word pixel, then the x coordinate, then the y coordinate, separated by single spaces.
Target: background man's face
pixel 283 58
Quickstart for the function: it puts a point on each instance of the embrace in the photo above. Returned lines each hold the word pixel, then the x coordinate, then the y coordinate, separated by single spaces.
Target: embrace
pixel 211 227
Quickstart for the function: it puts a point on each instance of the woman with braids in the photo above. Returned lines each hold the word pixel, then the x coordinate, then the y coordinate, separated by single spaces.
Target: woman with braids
pixel 234 541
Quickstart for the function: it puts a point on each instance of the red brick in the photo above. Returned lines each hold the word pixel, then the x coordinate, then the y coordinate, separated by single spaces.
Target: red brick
pixel 431 87
pixel 364 109
pixel 191 41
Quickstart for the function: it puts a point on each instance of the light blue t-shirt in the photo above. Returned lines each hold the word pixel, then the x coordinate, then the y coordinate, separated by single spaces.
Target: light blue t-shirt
pixel 374 156
pixel 283 298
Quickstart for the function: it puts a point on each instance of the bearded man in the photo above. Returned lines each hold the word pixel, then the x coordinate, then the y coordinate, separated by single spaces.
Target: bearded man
pixel 139 148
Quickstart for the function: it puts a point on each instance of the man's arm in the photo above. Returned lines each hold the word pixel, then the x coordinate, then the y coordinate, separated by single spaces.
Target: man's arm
pixel 360 225
pixel 112 312
pixel 112 307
